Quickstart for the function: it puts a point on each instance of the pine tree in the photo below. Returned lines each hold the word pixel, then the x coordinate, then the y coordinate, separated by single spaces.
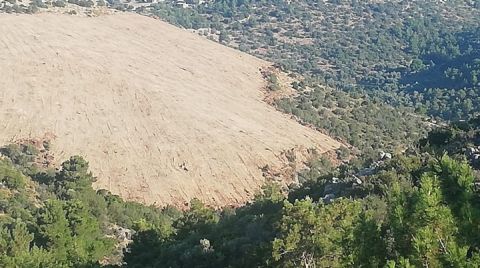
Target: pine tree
pixel 316 235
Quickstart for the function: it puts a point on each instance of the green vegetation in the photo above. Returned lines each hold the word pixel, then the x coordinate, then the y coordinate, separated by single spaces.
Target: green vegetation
pixel 404 52
pixel 366 123
pixel 273 83
pixel 416 210
pixel 54 218
pixel 369 72
pixel 19 6
pixel 420 208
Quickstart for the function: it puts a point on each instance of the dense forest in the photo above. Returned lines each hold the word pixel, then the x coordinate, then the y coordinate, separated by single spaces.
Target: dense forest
pixel 419 208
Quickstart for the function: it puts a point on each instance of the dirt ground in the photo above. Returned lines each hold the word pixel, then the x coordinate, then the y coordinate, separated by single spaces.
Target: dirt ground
pixel 161 114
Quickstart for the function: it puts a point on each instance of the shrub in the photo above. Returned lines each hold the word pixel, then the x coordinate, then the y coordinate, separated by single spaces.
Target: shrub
pixel 59 3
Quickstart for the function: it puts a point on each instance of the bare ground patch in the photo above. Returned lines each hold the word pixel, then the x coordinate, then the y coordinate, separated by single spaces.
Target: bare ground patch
pixel 161 114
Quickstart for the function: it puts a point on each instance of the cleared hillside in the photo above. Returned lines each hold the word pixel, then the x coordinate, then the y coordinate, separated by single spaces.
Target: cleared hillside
pixel 161 114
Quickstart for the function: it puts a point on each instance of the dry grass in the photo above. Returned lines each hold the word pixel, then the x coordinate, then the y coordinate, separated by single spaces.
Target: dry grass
pixel 161 114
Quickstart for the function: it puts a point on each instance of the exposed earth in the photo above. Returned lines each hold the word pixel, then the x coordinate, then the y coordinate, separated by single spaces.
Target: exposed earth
pixel 161 114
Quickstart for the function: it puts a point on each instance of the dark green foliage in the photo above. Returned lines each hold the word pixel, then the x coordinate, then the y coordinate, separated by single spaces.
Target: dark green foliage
pixel 22 155
pixel 417 209
pixel 56 219
pixel 17 250
pixel 208 238
pixel 412 211
pixel 11 177
pixel 82 3
pixel 59 3
pixel 457 138
pixel 316 234
pixel 366 124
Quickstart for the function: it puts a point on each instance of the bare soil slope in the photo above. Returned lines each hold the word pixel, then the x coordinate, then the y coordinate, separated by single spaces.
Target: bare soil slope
pixel 161 114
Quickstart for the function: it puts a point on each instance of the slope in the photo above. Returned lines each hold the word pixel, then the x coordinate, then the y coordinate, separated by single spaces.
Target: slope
pixel 161 114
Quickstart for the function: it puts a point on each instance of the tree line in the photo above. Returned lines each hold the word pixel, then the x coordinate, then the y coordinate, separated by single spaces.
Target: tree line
pixel 418 209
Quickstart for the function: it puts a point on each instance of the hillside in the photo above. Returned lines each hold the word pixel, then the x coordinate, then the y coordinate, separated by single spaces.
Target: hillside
pixel 161 114
pixel 371 71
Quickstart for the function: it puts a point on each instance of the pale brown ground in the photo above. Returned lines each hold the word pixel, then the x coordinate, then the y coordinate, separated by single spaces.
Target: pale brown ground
pixel 138 98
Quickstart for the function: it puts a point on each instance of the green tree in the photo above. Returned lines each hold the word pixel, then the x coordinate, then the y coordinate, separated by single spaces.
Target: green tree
pixel 434 228
pixel 17 249
pixel 54 231
pixel 319 235
pixel 89 243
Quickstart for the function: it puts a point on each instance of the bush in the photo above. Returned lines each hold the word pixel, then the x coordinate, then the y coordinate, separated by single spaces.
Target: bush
pixel 273 84
pixel 10 177
pixel 59 3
